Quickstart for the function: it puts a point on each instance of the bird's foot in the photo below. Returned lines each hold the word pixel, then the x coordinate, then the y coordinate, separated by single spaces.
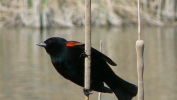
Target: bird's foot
pixel 84 54
pixel 87 92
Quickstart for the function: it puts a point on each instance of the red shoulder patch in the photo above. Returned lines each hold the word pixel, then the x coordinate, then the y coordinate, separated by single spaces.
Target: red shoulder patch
pixel 73 43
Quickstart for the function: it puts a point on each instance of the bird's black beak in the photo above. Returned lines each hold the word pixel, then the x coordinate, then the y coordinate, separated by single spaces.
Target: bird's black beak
pixel 42 44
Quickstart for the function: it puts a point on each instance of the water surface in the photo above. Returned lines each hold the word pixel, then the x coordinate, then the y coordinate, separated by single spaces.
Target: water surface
pixel 26 72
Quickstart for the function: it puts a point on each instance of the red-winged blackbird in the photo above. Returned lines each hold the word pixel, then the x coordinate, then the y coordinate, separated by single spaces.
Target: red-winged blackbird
pixel 68 59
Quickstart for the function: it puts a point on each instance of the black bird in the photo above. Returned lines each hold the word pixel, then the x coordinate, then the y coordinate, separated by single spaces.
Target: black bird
pixel 68 59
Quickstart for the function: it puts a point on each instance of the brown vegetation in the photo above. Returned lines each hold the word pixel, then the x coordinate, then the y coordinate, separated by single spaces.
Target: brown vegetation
pixel 69 13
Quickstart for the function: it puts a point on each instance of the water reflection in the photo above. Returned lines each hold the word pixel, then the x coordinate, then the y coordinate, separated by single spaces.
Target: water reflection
pixel 26 72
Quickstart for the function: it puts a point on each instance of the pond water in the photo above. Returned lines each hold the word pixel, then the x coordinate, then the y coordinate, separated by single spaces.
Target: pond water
pixel 26 72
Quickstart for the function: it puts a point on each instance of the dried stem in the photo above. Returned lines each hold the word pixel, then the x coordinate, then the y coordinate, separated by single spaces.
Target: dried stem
pixel 140 68
pixel 70 13
pixel 99 94
pixel 87 45
pixel 140 60
pixel 139 27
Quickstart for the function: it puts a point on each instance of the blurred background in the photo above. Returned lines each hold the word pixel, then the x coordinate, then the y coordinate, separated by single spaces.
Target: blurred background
pixel 70 13
pixel 26 72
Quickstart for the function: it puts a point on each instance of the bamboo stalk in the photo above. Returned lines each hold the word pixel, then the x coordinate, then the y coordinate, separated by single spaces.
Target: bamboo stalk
pixel 87 45
pixel 140 60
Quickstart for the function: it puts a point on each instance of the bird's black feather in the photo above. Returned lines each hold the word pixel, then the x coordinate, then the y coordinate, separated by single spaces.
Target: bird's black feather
pixel 68 59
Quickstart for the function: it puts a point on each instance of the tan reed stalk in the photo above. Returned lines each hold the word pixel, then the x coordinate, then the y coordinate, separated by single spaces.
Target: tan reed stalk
pixel 87 45
pixel 140 60
pixel 99 94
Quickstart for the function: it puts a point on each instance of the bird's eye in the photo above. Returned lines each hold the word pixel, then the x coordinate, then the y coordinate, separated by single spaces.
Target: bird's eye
pixel 49 41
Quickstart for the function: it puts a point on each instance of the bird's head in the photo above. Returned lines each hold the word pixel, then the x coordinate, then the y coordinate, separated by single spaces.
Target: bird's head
pixel 53 45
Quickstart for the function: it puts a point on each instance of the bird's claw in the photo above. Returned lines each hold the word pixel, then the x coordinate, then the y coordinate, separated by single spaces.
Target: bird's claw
pixel 87 92
pixel 84 54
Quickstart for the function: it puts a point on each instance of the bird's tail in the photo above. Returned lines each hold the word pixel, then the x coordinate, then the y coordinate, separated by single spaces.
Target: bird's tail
pixel 122 89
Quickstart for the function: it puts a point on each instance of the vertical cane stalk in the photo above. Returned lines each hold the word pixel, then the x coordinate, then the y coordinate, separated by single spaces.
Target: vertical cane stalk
pixel 140 60
pixel 99 94
pixel 87 45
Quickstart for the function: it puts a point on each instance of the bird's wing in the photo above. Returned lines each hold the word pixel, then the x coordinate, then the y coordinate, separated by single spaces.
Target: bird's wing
pixel 74 44
pixel 94 52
